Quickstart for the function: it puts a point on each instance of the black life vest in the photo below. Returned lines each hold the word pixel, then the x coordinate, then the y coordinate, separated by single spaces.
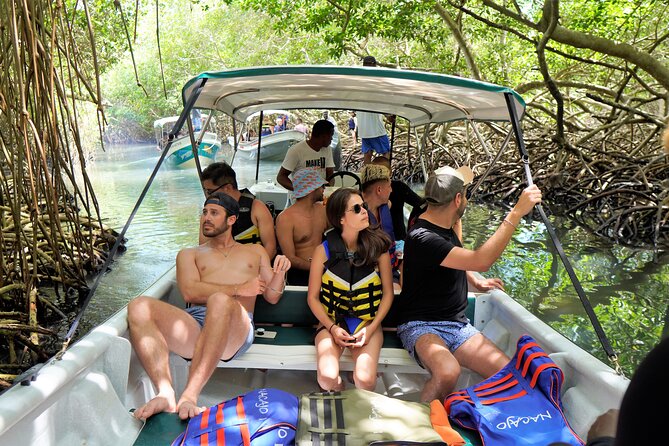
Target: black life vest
pixel 244 231
pixel 348 290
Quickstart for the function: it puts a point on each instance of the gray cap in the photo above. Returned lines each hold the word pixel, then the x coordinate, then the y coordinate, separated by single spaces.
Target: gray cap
pixel 445 183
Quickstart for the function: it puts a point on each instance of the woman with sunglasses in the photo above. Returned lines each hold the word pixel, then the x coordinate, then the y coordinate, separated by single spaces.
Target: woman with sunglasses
pixel 350 291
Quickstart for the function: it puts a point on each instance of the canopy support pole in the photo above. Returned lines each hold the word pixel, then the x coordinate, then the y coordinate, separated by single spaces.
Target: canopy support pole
pixel 510 103
pixel 234 139
pixel 262 116
pixel 195 146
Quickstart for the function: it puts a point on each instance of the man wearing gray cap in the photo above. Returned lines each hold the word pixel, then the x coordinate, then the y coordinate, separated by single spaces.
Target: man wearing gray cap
pixel 221 280
pixel 431 308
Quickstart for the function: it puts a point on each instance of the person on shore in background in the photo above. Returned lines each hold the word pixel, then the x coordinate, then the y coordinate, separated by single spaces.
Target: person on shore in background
pixel 221 279
pixel 401 193
pixel 353 127
pixel 371 129
pixel 376 189
pixel 300 227
pixel 314 152
pixel 335 145
pixel 351 266
pixel 255 223
pixel 431 308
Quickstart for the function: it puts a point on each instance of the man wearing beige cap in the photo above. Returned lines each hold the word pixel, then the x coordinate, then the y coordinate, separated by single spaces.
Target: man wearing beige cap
pixel 431 309
pixel 300 227
pixel 376 189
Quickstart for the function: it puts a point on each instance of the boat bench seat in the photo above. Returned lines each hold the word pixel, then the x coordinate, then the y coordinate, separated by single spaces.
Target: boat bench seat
pixel 285 339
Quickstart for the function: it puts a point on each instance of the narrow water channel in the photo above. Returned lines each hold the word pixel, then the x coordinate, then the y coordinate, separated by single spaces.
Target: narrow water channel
pixel 628 289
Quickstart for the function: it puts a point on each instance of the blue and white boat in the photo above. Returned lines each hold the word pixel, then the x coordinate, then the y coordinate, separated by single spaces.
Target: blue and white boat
pixel 180 153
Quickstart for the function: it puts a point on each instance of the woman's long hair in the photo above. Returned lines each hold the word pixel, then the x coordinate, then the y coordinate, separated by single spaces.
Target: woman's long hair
pixel 372 241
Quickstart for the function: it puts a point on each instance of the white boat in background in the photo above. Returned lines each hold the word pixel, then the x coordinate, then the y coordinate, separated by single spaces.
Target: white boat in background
pixel 273 146
pixel 85 396
pixel 180 153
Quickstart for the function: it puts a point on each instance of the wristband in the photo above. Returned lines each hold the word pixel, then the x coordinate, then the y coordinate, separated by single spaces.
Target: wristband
pixel 330 329
pixel 276 291
pixel 507 221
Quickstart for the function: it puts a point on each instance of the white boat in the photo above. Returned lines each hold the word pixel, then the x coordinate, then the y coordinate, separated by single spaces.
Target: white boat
pixel 273 146
pixel 180 153
pixel 85 396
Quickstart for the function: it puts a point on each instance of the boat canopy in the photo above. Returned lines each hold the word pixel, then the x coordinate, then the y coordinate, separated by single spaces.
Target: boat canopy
pixel 420 97
pixel 162 122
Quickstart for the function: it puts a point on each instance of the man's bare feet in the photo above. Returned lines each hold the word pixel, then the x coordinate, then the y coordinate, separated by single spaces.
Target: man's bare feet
pixel 160 403
pixel 188 409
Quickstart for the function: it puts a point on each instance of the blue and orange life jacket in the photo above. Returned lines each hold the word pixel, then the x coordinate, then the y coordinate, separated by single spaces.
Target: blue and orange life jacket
pixel 519 405
pixel 262 417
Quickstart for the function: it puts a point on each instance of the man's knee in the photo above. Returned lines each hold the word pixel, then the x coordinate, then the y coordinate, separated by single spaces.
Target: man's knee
pixel 221 303
pixel 140 310
pixel 446 374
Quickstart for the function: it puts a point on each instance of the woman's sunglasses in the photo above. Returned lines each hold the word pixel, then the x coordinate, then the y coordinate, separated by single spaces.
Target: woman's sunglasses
pixel 357 208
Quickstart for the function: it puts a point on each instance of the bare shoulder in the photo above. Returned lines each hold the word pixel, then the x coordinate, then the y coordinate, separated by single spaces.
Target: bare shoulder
pixel 285 217
pixel 259 207
pixel 255 249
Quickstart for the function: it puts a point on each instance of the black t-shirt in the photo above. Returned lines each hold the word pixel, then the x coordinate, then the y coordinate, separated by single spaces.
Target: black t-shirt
pixel 401 194
pixel 431 292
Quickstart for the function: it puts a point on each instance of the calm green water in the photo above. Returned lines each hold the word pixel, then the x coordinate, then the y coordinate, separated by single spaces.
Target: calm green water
pixel 628 289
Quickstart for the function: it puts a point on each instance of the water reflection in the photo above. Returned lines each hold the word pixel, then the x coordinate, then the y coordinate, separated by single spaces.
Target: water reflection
pixel 626 287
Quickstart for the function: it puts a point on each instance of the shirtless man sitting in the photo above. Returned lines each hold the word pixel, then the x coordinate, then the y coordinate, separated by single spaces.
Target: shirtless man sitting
pixel 221 280
pixel 300 227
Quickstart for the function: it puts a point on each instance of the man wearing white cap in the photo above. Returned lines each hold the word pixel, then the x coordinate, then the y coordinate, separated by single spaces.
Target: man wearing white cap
pixel 300 227
pixel 431 309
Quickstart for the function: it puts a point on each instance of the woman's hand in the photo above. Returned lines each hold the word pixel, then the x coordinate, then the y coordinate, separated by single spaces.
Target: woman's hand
pixel 341 337
pixel 360 338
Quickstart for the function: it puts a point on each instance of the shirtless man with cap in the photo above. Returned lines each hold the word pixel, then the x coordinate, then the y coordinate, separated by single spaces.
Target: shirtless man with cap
pixel 221 280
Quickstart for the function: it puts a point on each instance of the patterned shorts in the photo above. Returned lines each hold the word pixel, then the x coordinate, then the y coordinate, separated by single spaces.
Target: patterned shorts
pixel 453 333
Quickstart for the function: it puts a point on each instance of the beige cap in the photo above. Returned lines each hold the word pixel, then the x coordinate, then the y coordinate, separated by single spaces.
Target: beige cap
pixel 442 186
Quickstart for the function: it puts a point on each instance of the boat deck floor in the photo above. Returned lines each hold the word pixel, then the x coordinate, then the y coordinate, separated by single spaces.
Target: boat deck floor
pixel 162 429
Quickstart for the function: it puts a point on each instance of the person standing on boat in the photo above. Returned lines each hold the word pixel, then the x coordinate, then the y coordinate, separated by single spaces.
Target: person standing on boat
pixel 335 144
pixel 350 291
pixel 301 127
pixel 255 223
pixel 371 130
pixel 376 190
pixel 314 152
pixel 300 227
pixel 221 280
pixel 353 127
pixel 437 269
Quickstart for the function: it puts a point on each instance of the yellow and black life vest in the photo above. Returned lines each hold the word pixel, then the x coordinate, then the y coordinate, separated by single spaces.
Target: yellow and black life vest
pixel 348 290
pixel 244 231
